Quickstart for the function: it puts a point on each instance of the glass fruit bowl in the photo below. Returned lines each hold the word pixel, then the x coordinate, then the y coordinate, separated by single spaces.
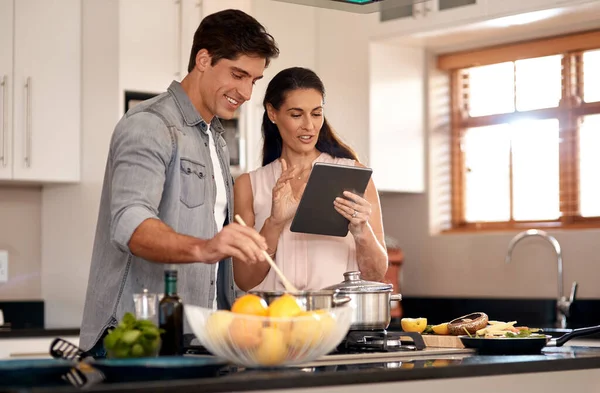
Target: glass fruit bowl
pixel 256 341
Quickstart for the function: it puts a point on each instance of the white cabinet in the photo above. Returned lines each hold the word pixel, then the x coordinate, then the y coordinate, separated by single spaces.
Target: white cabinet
pixel 40 67
pixel 425 16
pixel 6 79
pixel 443 13
pixel 503 8
pixel 397 117
pixel 155 39
pixel 149 44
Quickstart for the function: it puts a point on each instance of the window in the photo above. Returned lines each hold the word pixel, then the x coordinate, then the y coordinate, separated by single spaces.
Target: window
pixel 526 134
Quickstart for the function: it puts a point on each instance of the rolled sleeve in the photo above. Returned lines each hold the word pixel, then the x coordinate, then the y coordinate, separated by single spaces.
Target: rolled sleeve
pixel 141 150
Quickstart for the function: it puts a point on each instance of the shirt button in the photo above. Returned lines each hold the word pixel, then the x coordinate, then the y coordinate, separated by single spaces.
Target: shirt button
pixel 205 144
pixel 212 282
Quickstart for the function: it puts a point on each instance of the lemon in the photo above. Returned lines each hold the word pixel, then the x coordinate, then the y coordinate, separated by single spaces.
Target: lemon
pixel 273 348
pixel 413 324
pixel 306 332
pixel 217 325
pixel 441 329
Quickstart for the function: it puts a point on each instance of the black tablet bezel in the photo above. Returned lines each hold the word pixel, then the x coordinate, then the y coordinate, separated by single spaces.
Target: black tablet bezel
pixel 316 214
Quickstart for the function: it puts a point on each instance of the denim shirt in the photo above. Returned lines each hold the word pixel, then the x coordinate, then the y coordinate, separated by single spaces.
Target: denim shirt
pixel 158 166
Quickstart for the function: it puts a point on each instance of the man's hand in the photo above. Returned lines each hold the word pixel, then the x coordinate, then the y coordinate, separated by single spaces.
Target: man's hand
pixel 242 243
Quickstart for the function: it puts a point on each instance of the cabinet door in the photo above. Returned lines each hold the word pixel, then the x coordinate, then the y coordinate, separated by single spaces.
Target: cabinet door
pixel 149 39
pixel 6 78
pixel 394 20
pixel 425 16
pixel 47 88
pixel 449 13
pixel 192 9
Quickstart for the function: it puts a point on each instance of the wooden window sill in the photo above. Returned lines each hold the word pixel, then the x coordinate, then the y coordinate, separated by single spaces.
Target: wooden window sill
pixel 510 227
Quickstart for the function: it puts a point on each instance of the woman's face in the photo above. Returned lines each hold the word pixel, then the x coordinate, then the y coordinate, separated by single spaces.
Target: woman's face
pixel 299 119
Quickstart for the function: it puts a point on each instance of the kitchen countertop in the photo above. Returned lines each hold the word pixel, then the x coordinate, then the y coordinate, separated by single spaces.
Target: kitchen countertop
pixel 33 333
pixel 408 368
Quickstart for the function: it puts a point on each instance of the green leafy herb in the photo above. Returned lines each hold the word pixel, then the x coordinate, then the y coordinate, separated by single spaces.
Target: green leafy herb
pixel 133 338
pixel 428 330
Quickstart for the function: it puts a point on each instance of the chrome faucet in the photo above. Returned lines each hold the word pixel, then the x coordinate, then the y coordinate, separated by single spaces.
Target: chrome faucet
pixel 563 305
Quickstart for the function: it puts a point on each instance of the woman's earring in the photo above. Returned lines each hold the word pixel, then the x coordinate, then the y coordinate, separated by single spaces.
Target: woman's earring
pixel 273 121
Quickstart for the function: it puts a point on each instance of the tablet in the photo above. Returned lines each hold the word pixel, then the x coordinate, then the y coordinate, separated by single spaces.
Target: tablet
pixel 315 213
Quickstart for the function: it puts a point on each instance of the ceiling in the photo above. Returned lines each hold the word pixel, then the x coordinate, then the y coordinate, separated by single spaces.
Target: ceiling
pixel 510 29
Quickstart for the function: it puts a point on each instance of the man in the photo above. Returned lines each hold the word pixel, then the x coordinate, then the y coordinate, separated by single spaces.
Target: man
pixel 167 192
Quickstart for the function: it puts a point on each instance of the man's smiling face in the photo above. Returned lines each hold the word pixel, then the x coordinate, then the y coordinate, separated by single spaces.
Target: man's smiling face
pixel 228 84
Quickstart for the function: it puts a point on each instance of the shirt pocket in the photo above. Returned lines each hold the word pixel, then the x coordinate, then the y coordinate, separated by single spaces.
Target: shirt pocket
pixel 193 183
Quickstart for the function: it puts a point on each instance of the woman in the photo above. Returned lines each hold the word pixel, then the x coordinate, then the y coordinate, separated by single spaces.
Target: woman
pixel 296 135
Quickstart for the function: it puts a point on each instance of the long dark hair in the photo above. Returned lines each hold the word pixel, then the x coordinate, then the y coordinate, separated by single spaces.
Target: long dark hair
pixel 283 83
pixel 230 33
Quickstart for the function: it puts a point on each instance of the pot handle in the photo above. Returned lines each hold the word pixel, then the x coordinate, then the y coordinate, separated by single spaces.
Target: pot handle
pixel 396 297
pixel 340 300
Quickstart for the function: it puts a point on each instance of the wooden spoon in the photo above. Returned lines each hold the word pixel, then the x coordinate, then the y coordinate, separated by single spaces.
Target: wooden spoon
pixel 286 283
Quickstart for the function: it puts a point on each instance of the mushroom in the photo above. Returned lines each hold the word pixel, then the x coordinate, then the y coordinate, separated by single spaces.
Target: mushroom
pixel 468 323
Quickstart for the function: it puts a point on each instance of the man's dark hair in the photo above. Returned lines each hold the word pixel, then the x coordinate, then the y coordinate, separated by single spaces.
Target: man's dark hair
pixel 230 33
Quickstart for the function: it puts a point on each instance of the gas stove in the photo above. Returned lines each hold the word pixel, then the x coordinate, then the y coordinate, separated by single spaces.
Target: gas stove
pixel 361 341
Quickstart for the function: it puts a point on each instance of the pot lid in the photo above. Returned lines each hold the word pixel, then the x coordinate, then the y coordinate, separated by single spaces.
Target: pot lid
pixel 353 283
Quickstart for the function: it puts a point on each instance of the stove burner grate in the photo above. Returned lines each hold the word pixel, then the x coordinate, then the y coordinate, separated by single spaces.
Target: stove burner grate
pixel 357 341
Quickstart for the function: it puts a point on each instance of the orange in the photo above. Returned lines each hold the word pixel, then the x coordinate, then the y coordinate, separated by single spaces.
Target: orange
pixel 250 304
pixel 245 333
pixel 284 306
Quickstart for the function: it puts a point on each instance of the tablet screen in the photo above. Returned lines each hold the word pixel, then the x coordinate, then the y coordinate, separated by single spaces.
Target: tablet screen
pixel 315 213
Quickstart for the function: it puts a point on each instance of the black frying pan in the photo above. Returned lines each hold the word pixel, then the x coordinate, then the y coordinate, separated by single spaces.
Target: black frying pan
pixel 522 346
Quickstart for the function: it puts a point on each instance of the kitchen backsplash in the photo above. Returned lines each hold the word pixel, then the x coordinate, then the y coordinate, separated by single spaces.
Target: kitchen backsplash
pixel 20 235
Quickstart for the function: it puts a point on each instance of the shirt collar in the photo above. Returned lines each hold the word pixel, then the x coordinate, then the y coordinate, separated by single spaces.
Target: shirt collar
pixel 189 112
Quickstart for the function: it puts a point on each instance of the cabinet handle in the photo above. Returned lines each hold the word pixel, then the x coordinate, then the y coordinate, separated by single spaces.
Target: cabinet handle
pixel 4 85
pixel 426 8
pixel 27 157
pixel 178 37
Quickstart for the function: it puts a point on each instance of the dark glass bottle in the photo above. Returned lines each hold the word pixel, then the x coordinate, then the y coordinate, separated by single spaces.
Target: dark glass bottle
pixel 170 317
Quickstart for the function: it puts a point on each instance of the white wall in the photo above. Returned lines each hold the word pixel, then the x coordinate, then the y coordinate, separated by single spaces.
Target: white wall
pixel 20 229
pixel 472 265
pixel 69 213
pixel 343 65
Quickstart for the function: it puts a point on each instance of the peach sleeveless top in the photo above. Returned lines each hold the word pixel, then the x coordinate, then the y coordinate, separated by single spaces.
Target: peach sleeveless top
pixel 310 262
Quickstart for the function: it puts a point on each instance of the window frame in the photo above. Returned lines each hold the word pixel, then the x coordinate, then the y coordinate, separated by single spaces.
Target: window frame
pixel 568 112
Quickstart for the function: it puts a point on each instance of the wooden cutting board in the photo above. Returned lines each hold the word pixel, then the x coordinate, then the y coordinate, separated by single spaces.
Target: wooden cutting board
pixel 435 341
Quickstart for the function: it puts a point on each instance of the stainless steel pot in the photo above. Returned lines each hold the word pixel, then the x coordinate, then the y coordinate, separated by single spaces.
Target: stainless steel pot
pixel 309 300
pixel 370 299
